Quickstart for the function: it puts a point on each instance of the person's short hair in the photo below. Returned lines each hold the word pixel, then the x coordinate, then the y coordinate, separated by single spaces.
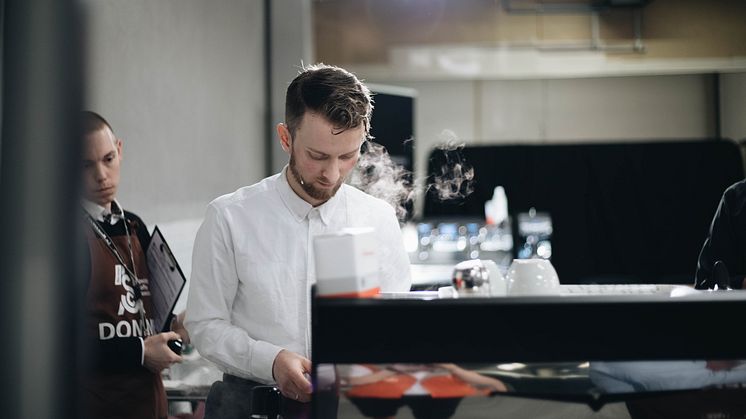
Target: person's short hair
pixel 92 122
pixel 334 93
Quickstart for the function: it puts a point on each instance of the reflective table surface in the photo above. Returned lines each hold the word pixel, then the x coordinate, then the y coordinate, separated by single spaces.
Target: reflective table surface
pixel 635 356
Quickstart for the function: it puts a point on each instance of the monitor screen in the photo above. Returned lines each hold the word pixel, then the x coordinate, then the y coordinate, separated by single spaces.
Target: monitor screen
pixel 392 124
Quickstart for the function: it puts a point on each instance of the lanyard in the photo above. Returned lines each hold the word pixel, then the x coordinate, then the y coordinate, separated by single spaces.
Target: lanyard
pixel 114 251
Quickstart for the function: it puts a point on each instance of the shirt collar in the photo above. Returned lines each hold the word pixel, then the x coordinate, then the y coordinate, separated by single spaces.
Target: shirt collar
pixel 97 212
pixel 300 208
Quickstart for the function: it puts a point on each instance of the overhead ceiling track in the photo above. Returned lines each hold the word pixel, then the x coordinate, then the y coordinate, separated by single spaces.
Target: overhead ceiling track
pixel 540 7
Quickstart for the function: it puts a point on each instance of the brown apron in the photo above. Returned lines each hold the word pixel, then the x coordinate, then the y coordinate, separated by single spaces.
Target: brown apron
pixel 112 312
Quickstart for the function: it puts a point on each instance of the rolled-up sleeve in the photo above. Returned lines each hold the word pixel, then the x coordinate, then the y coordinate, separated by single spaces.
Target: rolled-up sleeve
pixel 213 287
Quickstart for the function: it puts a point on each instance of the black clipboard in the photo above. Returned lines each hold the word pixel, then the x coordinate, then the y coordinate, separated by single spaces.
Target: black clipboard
pixel 166 280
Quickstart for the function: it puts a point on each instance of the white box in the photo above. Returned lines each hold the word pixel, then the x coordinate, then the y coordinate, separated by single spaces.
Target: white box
pixel 347 263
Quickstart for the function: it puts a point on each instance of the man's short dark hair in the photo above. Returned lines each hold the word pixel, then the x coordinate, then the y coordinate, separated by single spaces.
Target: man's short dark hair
pixel 334 93
pixel 92 122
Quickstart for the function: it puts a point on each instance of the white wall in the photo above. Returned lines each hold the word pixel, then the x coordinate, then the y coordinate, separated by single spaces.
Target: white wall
pixel 181 81
pixel 292 46
pixel 733 105
pixel 638 108
pixel 564 110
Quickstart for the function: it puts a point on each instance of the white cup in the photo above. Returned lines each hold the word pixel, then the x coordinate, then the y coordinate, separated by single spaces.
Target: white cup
pixel 532 277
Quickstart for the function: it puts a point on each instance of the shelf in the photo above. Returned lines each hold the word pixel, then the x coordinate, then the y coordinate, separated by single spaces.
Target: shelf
pixel 443 63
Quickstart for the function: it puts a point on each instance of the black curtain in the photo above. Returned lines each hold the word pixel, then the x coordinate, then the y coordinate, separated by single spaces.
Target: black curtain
pixel 632 212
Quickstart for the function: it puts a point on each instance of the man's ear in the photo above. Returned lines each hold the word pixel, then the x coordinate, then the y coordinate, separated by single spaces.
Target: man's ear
pixel 285 138
pixel 119 148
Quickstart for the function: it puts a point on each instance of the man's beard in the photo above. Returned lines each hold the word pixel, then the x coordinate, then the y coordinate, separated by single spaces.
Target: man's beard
pixel 312 191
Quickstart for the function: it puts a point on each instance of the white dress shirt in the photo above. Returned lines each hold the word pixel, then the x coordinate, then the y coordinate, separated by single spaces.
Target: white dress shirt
pixel 253 267
pixel 99 213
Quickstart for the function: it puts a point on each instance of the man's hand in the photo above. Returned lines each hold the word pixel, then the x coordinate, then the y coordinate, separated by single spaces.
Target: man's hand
pixel 717 365
pixel 475 379
pixel 157 353
pixel 289 371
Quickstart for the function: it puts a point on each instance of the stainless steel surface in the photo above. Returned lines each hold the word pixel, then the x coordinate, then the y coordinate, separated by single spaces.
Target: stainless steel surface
pixel 436 274
pixel 471 277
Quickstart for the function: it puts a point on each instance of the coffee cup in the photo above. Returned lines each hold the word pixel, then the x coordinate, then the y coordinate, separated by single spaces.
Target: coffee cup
pixel 532 277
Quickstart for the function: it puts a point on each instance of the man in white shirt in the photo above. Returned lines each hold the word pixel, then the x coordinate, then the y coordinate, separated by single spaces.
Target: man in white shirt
pixel 249 299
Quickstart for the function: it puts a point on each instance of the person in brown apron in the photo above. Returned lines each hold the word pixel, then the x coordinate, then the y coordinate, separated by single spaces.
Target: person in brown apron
pixel 127 351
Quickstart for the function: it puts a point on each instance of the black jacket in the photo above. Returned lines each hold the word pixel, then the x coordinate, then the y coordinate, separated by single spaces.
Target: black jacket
pixel 727 240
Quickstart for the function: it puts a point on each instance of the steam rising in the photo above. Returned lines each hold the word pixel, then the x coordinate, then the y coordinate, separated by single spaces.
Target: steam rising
pixel 455 178
pixel 378 175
